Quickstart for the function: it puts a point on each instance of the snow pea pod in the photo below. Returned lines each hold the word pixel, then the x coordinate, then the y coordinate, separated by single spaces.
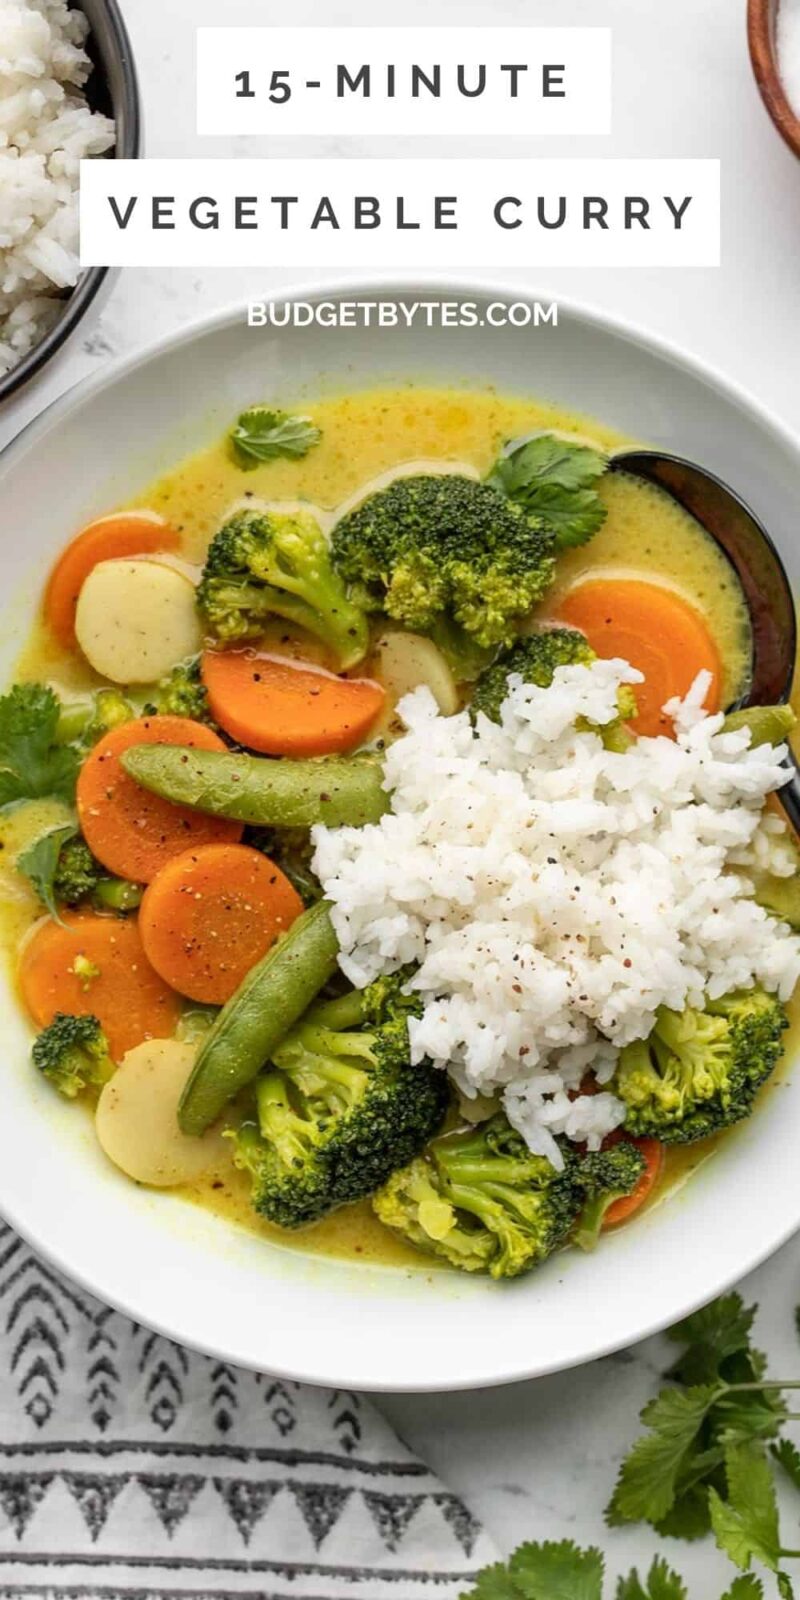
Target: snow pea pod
pixel 284 794
pixel 273 995
pixel 767 724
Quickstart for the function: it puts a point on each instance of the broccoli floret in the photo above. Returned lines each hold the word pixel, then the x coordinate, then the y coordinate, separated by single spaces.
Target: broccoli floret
pixel 182 694
pixel 63 871
pixel 86 721
pixel 535 658
pixel 700 1071
pixel 80 876
pixel 262 564
pixel 482 1201
pixel 445 549
pixel 77 873
pixel 343 1110
pixel 606 1176
pixel 72 1052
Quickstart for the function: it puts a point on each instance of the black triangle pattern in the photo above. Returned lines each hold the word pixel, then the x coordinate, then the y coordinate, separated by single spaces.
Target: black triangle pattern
pixel 20 1494
pixel 392 1513
pixel 320 1505
pixel 246 1501
pixel 458 1517
pixel 171 1495
pixel 95 1494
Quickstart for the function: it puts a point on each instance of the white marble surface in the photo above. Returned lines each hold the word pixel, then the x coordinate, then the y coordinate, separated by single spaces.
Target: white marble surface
pixel 538 1459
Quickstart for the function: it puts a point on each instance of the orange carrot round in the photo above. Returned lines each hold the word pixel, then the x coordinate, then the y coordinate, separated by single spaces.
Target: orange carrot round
pixel 211 914
pixel 271 704
pixel 623 1209
pixel 654 629
pixel 132 533
pixel 132 832
pixel 96 964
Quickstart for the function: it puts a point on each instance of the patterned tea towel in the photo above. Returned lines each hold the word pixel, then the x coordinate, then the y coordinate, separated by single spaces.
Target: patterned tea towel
pixel 131 1469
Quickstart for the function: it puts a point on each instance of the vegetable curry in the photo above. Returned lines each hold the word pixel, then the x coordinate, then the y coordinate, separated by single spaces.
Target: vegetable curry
pixel 196 749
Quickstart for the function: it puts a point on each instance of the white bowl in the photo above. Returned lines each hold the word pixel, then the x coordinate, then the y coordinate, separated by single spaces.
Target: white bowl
pixel 184 1272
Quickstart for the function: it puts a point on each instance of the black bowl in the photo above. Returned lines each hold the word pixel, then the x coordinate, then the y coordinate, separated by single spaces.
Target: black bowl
pixel 112 88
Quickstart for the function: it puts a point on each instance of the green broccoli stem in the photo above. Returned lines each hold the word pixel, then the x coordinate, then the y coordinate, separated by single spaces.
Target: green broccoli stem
pixel 346 1011
pixel 322 1041
pixel 339 1085
pixel 116 894
pixel 279 1122
pixel 464 656
pixel 494 1205
pixel 328 614
pixel 590 1222
pixel 463 1167
pixel 74 717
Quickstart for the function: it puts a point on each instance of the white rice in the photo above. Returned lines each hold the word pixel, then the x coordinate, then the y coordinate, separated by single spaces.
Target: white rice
pixel 46 128
pixel 555 894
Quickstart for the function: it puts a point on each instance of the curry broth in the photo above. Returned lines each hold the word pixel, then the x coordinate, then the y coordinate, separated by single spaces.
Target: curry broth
pixel 364 436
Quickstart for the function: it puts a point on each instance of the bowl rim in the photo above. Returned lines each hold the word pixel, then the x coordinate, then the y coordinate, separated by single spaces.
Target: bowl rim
pixel 92 280
pixel 761 16
pixel 398 284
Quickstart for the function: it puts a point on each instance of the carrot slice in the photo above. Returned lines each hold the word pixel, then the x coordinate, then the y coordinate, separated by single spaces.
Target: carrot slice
pixel 132 832
pixel 271 704
pixel 97 964
pixel 623 1209
pixel 211 914
pixel 655 630
pixel 133 533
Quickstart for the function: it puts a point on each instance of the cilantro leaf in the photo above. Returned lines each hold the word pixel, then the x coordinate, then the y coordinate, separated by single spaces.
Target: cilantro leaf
pixel 712 1335
pixel 547 460
pixel 746 1524
pixel 557 1571
pixel 493 1583
pixel 574 515
pixel 661 1584
pixel 32 763
pixel 746 1588
pixel 40 860
pixel 689 1517
pixel 261 434
pixel 648 1480
pixel 788 1455
pixel 552 478
pixel 785 1586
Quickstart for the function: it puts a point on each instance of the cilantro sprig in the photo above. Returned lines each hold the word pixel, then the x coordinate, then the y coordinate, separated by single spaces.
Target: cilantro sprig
pixel 706 1463
pixel 553 479
pixel 32 761
pixel 562 1571
pixel 261 434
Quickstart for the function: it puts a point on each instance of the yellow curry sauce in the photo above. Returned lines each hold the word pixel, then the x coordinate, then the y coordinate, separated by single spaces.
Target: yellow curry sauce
pixel 364 435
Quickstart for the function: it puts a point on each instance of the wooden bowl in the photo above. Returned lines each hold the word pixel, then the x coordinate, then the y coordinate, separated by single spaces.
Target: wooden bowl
pixel 762 20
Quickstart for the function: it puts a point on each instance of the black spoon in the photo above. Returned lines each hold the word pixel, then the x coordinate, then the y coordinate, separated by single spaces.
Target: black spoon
pixel 748 547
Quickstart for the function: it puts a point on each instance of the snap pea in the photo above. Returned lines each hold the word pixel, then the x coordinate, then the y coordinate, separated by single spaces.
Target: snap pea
pixel 285 794
pixel 273 995
pixel 767 724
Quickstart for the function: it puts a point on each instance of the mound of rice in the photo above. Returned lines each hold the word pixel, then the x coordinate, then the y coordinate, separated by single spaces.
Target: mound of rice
pixel 555 894
pixel 46 128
